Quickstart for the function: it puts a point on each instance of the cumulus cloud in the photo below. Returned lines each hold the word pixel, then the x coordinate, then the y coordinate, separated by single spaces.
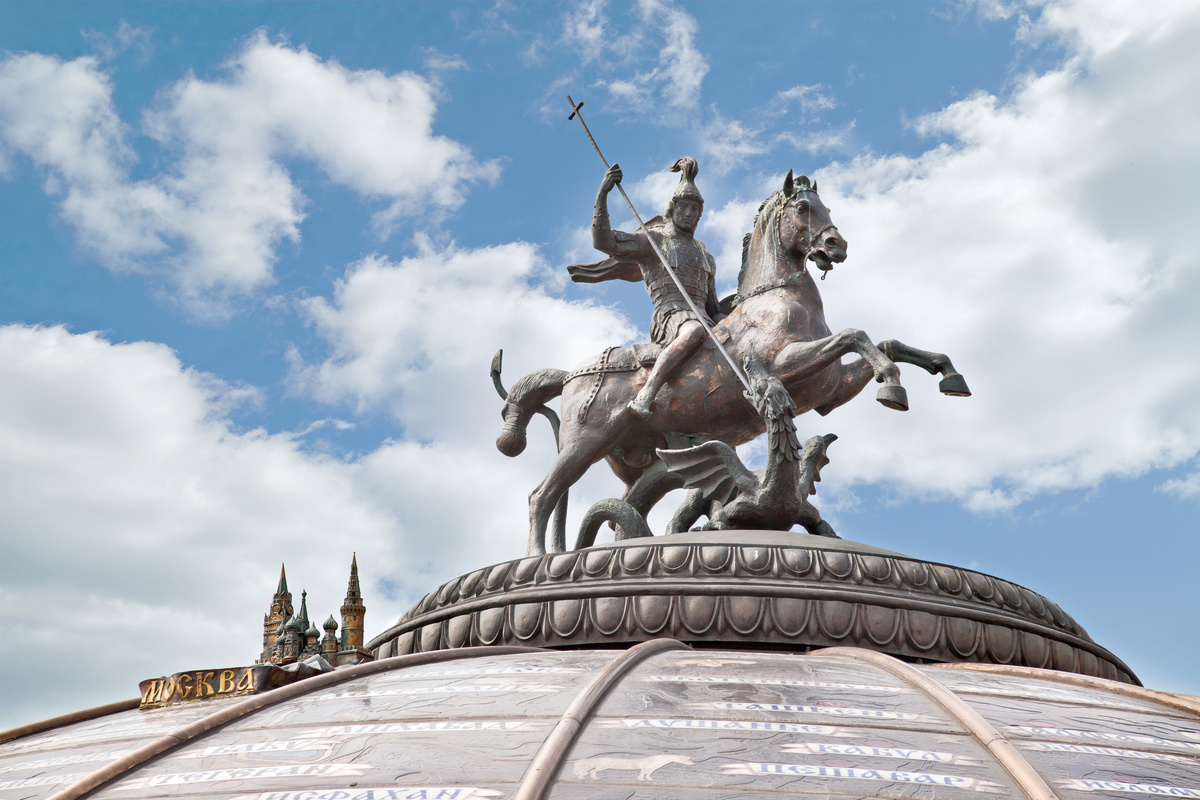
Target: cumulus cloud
pixel 728 142
pixel 1049 247
pixel 212 222
pixel 416 337
pixel 652 66
pixel 142 522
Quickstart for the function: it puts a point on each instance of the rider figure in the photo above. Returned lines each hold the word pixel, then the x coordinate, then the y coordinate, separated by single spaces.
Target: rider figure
pixel 674 326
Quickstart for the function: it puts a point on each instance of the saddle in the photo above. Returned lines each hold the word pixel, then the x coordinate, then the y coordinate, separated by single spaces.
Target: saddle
pixel 618 359
pixel 614 359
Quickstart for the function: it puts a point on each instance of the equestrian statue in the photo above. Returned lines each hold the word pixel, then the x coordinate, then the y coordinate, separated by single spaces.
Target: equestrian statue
pixel 686 387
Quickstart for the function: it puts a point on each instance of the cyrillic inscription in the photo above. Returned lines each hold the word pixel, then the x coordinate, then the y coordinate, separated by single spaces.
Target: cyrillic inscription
pixel 205 684
pixel 1131 738
pixel 722 724
pixel 849 773
pixel 904 754
pixel 41 780
pixel 251 773
pixel 62 761
pixel 1093 750
pixel 421 727
pixel 834 710
pixel 857 687
pixel 420 690
pixel 393 793
pixel 1130 788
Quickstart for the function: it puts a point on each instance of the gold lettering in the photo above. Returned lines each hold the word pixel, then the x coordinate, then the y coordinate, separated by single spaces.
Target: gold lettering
pixel 152 689
pixel 246 682
pixel 185 686
pixel 225 682
pixel 203 686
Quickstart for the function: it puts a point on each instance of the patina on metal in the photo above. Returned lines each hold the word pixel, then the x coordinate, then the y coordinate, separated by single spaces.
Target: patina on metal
pixel 754 590
pixel 773 498
pixel 777 319
pixel 689 203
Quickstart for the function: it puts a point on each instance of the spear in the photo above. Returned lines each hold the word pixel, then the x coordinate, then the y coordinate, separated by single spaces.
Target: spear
pixel 741 376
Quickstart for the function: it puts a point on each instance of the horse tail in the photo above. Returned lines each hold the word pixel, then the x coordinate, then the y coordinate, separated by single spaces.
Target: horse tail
pixel 628 520
pixel 526 397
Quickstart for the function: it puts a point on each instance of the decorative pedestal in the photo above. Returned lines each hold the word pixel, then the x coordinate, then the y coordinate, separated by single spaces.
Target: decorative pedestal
pixel 735 588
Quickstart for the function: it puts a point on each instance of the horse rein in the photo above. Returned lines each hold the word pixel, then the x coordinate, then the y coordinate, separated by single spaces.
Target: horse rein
pixel 783 283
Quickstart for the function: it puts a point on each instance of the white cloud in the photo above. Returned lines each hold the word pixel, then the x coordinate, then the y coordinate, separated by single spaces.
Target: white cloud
pixel 682 65
pixel 109 45
pixel 809 100
pixel 722 232
pixel 728 143
pixel 1050 249
pixel 585 30
pixel 416 337
pixel 653 68
pixel 141 523
pixel 1187 487
pixel 213 221
pixel 650 195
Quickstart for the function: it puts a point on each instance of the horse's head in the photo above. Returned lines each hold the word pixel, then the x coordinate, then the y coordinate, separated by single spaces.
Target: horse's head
pixel 792 226
pixel 805 228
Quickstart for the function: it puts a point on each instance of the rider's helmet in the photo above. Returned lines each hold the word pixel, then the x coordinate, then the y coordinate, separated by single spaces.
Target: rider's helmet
pixel 687 184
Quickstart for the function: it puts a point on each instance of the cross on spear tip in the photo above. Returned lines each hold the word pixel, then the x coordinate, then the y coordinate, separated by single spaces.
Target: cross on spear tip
pixel 741 376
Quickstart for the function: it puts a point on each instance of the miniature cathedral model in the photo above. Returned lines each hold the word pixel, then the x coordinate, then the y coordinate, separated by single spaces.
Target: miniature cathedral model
pixel 289 636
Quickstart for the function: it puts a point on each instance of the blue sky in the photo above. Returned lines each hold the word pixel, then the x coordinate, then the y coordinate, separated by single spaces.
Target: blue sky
pixel 257 257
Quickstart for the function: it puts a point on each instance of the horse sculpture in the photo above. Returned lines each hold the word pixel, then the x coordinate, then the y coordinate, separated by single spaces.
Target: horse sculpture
pixel 776 318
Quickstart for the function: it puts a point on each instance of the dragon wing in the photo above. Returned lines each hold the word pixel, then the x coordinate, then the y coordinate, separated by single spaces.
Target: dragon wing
pixel 713 467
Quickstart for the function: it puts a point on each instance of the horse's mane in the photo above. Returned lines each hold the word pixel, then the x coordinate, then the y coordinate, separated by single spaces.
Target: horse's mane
pixel 765 220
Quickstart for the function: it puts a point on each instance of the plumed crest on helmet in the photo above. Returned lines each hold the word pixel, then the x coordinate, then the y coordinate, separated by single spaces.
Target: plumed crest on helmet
pixel 687 183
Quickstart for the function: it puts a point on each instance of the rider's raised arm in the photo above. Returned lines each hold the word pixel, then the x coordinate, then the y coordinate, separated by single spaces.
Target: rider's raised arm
pixel 617 244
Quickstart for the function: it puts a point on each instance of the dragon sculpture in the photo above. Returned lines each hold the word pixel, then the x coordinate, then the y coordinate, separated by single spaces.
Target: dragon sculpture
pixel 772 498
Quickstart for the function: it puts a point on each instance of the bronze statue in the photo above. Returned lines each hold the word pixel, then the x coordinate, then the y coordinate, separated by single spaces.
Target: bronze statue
pixel 776 318
pixel 633 258
pixel 773 498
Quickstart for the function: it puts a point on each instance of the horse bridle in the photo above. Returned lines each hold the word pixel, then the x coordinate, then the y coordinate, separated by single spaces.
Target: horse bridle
pixel 782 283
pixel 812 237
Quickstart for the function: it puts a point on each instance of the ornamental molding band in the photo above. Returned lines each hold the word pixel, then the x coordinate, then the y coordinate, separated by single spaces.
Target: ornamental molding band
pixel 769 588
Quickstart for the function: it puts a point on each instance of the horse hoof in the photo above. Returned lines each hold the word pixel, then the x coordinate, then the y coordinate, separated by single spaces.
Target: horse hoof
pixel 954 385
pixel 823 528
pixel 893 396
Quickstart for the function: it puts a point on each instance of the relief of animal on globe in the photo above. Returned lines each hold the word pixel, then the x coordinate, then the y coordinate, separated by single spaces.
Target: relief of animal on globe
pixel 667 414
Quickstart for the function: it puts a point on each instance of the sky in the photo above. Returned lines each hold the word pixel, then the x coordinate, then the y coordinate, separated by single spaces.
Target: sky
pixel 257 257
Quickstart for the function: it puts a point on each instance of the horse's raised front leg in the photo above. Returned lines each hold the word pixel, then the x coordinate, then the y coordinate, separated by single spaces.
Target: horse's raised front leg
pixel 952 382
pixel 855 376
pixel 800 360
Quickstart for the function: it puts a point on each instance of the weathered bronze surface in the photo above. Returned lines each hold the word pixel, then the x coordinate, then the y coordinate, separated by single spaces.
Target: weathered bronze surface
pixel 776 319
pixel 751 589
pixel 773 498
